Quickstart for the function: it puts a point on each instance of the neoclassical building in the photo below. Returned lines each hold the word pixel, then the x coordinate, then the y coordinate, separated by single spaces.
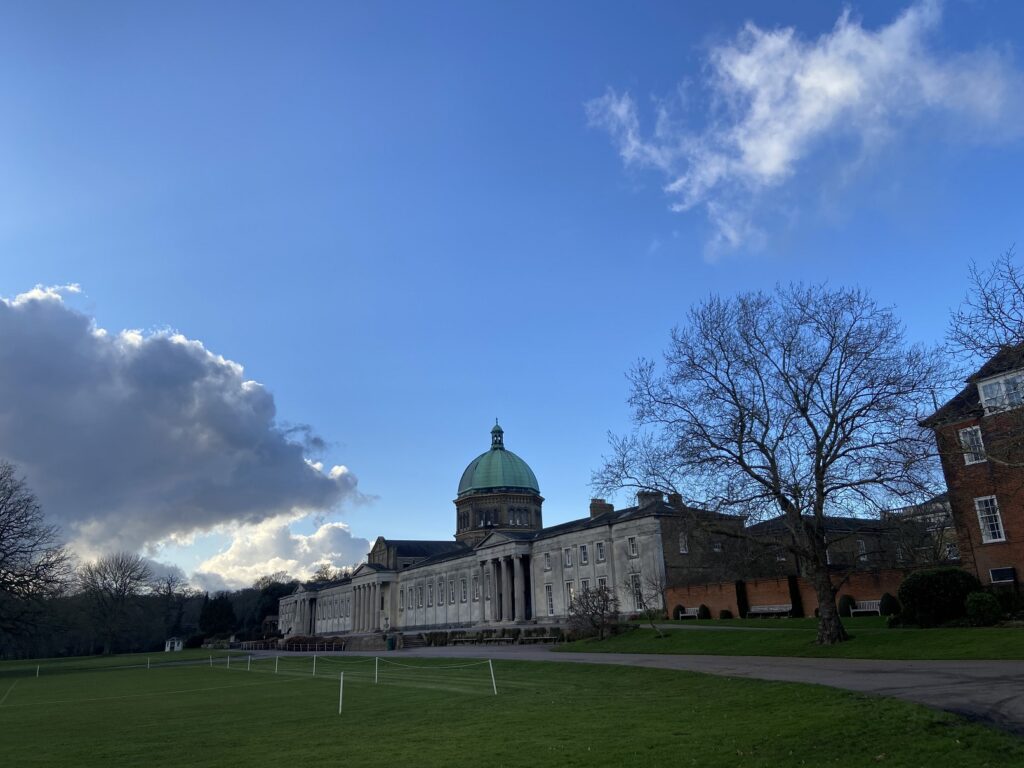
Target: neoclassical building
pixel 503 566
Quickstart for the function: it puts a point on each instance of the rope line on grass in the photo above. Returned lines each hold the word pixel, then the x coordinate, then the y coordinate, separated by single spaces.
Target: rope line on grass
pixel 435 666
pixel 335 660
pixel 8 692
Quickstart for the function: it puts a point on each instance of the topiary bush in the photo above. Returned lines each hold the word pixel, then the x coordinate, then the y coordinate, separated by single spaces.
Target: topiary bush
pixel 983 609
pixel 725 613
pixel 935 596
pixel 846 606
pixel 703 612
pixel 889 605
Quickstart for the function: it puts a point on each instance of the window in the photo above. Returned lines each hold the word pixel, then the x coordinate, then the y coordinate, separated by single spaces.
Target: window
pixel 602 582
pixel 584 555
pixel 430 595
pixel 567 552
pixel 970 441
pixel 440 591
pixel 862 550
pixel 631 546
pixel 600 551
pixel 462 589
pixel 584 585
pixel 1004 392
pixel 401 599
pixel 989 521
pixel 684 543
pixel 570 593
pixel 476 588
pixel 549 598
pixel 952 551
pixel 419 597
pixel 1001 575
pixel 638 597
pixel 780 557
pixel 717 546
pixel 410 599
pixel 547 561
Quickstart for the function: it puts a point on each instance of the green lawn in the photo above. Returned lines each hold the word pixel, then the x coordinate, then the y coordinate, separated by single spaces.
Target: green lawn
pixel 438 713
pixel 795 637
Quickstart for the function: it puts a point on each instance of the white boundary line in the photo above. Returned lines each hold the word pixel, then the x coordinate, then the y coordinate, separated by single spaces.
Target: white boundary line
pixel 8 693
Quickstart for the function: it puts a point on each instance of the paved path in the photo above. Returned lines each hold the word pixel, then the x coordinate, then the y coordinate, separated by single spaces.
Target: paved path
pixel 991 692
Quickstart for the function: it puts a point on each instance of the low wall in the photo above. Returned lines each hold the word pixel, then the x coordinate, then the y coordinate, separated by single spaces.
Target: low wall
pixel 727 595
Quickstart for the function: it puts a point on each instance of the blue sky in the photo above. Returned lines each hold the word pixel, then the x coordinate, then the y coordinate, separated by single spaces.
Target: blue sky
pixel 404 220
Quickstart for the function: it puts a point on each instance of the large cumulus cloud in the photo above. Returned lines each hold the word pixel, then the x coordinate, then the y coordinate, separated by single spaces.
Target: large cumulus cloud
pixel 132 438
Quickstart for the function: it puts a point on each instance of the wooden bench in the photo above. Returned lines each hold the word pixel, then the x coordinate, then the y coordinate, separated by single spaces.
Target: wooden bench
pixel 687 613
pixel 770 610
pixel 866 606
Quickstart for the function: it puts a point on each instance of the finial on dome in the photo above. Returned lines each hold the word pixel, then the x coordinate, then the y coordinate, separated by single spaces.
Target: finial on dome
pixel 497 436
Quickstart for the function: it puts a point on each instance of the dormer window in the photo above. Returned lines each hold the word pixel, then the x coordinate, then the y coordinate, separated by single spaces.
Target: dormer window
pixel 1004 392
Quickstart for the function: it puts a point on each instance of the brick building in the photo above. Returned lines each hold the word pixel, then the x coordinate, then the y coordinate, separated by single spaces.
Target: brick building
pixel 980 435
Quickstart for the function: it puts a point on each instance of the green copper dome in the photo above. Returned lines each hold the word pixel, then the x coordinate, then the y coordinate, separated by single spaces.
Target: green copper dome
pixel 498 468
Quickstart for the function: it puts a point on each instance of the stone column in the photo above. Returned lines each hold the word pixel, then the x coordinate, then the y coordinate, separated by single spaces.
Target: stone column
pixel 483 592
pixel 374 607
pixel 506 589
pixel 520 590
pixel 355 609
pixel 496 598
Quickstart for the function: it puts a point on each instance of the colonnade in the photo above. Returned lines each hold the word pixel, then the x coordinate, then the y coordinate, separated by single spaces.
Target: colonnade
pixel 366 608
pixel 508 589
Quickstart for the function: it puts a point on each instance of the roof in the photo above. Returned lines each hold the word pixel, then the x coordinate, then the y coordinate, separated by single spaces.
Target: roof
pixel 498 469
pixel 414 548
pixel 966 404
pixel 615 516
pixel 833 524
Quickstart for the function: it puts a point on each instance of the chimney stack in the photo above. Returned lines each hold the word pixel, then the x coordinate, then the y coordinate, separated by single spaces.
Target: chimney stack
pixel 647 498
pixel 675 500
pixel 599 507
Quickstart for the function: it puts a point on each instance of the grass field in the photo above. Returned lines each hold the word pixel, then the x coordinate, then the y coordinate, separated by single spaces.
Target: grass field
pixel 795 637
pixel 445 714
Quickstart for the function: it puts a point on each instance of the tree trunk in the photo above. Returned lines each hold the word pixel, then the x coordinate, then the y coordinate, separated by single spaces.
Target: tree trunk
pixel 830 627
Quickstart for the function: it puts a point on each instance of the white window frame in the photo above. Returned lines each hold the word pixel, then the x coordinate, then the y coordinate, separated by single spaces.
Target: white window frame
pixel 567 557
pixel 635 587
pixel 401 600
pixel 972 445
pixel 584 555
pixel 419 597
pixel 549 596
pixel 862 550
pixel 600 551
pixel 684 543
pixel 547 561
pixel 1002 392
pixel 476 588
pixel 602 582
pixel 1010 580
pixel 584 585
pixel 952 550
pixel 570 593
pixel 430 594
pixel 988 507
pixel 451 591
pixel 716 547
pixel 632 548
pixel 464 589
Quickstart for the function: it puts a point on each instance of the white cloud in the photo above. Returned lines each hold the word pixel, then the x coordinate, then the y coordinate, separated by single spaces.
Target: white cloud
pixel 774 98
pixel 269 546
pixel 134 438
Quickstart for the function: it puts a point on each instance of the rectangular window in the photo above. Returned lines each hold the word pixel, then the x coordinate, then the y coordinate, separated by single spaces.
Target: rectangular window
pixel 1001 575
pixel 717 546
pixel 600 551
pixel 684 543
pixel 476 588
pixel 989 521
pixel 410 599
pixel 584 585
pixel 584 555
pixel 451 591
pixel 567 552
pixel 638 597
pixel 631 546
pixel 1002 393
pixel 862 550
pixel 952 551
pixel 549 598
pixel 462 589
pixel 570 593
pixel 419 597
pixel 602 582
pixel 973 448
pixel 780 557
pixel 430 595
pixel 401 600
pixel 547 561
pixel 440 591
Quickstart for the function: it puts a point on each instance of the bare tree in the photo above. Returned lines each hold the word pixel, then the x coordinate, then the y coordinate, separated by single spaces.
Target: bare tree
pixel 594 611
pixel 803 402
pixel 33 564
pixel 113 584
pixel 648 592
pixel 991 316
pixel 174 592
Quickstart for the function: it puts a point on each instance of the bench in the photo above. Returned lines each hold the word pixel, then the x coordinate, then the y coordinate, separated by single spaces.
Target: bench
pixel 866 606
pixel 687 613
pixel 770 610
pixel 539 639
pixel 497 641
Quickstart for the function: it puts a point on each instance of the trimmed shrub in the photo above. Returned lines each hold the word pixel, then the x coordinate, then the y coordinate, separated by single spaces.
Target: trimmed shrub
pixel 889 605
pixel 846 606
pixel 195 641
pixel 936 596
pixel 703 612
pixel 725 613
pixel 983 609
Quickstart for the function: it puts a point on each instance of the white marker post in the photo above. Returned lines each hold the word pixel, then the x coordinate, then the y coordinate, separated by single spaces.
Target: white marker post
pixel 229 661
pixel 147 662
pixel 211 659
pixel 375 665
pixel 37 670
pixel 493 684
pixel 341 690
pixel 248 663
pixel 314 665
pixel 276 659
